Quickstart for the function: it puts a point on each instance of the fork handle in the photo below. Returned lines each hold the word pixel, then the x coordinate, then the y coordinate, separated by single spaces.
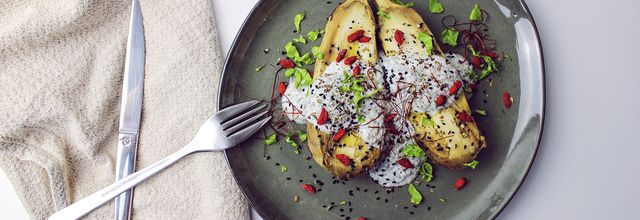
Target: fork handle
pixel 95 200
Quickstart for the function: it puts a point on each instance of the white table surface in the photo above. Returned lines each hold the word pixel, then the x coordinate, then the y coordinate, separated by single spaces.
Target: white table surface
pixel 587 166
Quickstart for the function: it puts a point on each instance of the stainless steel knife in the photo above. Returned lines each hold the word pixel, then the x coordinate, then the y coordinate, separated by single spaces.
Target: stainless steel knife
pixel 130 109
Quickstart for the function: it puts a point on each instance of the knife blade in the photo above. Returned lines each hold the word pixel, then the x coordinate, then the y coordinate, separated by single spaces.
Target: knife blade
pixel 130 109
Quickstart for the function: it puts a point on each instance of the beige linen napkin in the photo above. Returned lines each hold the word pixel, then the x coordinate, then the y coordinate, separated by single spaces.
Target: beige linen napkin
pixel 61 66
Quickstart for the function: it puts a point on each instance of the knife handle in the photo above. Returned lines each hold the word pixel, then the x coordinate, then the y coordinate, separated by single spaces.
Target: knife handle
pixel 126 160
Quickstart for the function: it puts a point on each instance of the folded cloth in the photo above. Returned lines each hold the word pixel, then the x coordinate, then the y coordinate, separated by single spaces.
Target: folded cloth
pixel 60 83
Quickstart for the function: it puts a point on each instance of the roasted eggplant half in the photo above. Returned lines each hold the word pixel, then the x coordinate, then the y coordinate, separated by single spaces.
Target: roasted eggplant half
pixel 451 138
pixel 350 155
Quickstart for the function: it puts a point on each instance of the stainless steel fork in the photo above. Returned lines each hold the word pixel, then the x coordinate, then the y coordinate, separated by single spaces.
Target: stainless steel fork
pixel 223 130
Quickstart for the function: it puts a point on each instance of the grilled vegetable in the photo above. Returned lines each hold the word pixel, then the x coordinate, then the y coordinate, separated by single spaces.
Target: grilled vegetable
pixel 350 155
pixel 454 139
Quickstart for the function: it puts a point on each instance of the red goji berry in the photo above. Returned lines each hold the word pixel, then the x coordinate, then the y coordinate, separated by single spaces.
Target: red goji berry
pixel 399 36
pixel 490 54
pixel 355 36
pixel 364 39
pixel 390 117
pixel 506 98
pixel 341 55
pixel 344 159
pixel 287 63
pixel 463 116
pixel 324 116
pixel 406 163
pixel 307 187
pixel 362 218
pixel 476 61
pixel 338 135
pixel 350 60
pixel 455 87
pixel 356 71
pixel 441 100
pixel 459 183
pixel 282 87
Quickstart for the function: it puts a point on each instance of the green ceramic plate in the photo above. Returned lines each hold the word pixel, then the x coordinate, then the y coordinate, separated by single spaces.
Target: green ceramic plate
pixel 513 134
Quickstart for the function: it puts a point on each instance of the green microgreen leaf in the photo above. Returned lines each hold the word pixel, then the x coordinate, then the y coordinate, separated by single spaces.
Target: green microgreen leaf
pixel 481 112
pixel 476 14
pixel 289 72
pixel 383 14
pixel 413 150
pixel 297 19
pixel 302 136
pixel 301 77
pixel 427 40
pixel 449 36
pixel 292 51
pixel 283 168
pixel 291 142
pixel 260 68
pixel 306 59
pixel 313 35
pixel 426 172
pixel 316 52
pixel 435 7
pixel 271 139
pixel 427 122
pixel 408 4
pixel 473 164
pixel 416 197
pixel 300 39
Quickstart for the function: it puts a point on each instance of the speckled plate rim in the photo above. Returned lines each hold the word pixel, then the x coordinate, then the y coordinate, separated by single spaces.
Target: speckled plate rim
pixel 243 29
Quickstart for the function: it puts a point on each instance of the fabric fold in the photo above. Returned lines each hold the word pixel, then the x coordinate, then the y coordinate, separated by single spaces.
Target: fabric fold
pixel 61 79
